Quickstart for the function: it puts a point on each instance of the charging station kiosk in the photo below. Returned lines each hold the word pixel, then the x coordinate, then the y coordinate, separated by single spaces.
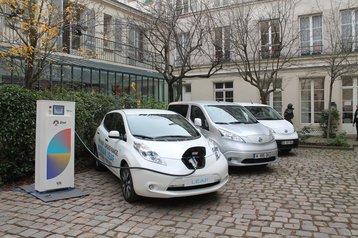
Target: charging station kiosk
pixel 54 155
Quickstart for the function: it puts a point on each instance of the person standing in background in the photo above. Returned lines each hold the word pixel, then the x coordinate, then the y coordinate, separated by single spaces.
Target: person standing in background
pixel 355 120
pixel 288 114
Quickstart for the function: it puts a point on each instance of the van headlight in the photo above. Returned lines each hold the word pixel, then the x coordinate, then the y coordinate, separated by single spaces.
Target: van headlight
pixel 214 148
pixel 148 154
pixel 230 136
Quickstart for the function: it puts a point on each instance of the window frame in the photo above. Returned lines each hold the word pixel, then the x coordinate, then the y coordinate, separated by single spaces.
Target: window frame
pixel 224 90
pixel 311 41
pixel 312 91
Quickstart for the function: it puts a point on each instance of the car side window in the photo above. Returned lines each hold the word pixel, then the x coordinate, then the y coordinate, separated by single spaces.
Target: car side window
pixel 107 123
pixel 196 112
pixel 118 124
pixel 180 109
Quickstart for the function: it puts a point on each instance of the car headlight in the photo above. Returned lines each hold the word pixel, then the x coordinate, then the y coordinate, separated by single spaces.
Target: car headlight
pixel 148 154
pixel 231 136
pixel 214 148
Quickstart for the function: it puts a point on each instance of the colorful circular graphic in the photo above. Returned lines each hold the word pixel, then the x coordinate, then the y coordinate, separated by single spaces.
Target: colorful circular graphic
pixel 58 153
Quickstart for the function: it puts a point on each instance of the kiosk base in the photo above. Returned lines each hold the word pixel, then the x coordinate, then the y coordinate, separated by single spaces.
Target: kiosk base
pixel 50 196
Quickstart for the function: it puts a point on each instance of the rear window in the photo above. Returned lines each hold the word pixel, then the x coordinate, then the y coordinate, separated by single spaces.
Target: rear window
pixel 180 109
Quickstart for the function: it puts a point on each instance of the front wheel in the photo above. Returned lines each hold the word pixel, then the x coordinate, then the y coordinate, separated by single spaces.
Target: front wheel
pixel 127 184
pixel 98 165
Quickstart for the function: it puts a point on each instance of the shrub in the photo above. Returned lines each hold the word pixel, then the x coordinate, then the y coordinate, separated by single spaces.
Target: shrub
pixel 334 122
pixel 17 127
pixel 339 140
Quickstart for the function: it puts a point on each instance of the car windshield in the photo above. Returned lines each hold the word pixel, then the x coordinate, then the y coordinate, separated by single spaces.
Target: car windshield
pixel 161 127
pixel 264 113
pixel 230 114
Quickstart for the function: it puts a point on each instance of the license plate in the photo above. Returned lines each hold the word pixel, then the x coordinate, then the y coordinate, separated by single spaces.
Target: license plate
pixel 199 180
pixel 287 142
pixel 262 155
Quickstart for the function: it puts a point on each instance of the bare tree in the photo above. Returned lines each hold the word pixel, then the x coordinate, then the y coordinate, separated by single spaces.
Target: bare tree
pixel 264 40
pixel 340 50
pixel 32 33
pixel 178 38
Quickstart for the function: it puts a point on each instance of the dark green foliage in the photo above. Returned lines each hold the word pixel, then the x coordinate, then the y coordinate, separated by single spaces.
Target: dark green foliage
pixel 339 140
pixel 17 130
pixel 334 122
pixel 18 123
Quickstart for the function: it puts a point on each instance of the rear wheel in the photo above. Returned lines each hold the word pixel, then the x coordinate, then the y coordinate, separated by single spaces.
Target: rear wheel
pixel 127 184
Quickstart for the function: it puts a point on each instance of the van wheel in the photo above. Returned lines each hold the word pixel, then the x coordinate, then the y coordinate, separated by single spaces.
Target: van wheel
pixel 98 165
pixel 127 184
pixel 285 151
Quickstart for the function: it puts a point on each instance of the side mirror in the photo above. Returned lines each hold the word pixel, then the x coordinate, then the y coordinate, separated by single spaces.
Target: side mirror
pixel 198 122
pixel 114 135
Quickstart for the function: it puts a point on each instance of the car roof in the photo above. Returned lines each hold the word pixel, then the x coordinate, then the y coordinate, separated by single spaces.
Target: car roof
pixel 252 104
pixel 202 102
pixel 144 111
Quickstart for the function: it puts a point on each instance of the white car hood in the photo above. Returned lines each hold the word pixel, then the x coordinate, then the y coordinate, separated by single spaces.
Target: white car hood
pixel 252 133
pixel 279 126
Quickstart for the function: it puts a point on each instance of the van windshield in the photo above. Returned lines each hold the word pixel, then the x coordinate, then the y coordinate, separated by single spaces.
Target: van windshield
pixel 230 114
pixel 264 113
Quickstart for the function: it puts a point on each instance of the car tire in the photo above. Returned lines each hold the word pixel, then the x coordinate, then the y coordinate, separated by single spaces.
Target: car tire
pixel 127 185
pixel 285 151
pixel 98 165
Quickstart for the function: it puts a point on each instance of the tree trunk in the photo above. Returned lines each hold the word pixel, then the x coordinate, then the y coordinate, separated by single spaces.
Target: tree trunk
pixel 170 92
pixel 263 97
pixel 28 80
pixel 328 132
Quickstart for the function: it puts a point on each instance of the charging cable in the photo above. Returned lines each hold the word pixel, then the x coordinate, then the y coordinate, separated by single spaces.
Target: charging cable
pixel 140 168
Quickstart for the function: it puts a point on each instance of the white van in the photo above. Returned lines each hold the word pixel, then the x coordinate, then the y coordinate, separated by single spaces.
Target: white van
pixel 240 137
pixel 285 135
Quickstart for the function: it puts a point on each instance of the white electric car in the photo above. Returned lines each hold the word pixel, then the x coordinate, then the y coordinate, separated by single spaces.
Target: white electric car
pixel 285 135
pixel 241 138
pixel 158 153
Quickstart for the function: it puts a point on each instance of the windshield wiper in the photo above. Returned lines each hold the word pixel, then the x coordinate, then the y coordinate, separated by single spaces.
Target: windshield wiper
pixel 144 137
pixel 172 136
pixel 223 123
pixel 238 122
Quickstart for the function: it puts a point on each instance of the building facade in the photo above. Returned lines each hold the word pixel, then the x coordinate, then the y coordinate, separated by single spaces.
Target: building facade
pixel 324 37
pixel 296 47
pixel 99 49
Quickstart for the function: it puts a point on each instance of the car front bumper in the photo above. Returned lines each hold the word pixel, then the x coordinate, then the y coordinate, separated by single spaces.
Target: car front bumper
pixel 206 180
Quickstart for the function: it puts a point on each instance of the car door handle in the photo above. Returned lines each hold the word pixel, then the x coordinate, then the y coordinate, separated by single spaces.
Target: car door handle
pixel 97 132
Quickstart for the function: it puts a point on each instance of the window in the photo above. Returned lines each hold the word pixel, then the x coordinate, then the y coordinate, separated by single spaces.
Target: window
pixel 312 100
pixel 196 112
pixel 349 98
pixel 311 34
pixel 224 92
pixel 222 43
pixel 275 98
pixel 118 34
pixel 136 45
pixel 219 3
pixel 349 27
pixel 270 38
pixel 107 28
pixel 185 6
pixel 182 45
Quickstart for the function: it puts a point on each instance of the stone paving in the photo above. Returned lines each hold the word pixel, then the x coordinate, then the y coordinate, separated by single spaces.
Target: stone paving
pixel 308 193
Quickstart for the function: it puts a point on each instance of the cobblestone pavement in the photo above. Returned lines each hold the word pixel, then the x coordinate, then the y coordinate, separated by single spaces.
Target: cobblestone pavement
pixel 308 193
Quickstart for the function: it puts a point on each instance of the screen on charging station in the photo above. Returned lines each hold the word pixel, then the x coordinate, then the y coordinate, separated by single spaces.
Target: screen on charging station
pixel 58 110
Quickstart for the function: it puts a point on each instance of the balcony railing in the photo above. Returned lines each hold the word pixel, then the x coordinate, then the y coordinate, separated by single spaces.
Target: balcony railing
pixel 102 49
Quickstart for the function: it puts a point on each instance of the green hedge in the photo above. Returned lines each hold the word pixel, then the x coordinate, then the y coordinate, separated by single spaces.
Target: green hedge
pixel 18 123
